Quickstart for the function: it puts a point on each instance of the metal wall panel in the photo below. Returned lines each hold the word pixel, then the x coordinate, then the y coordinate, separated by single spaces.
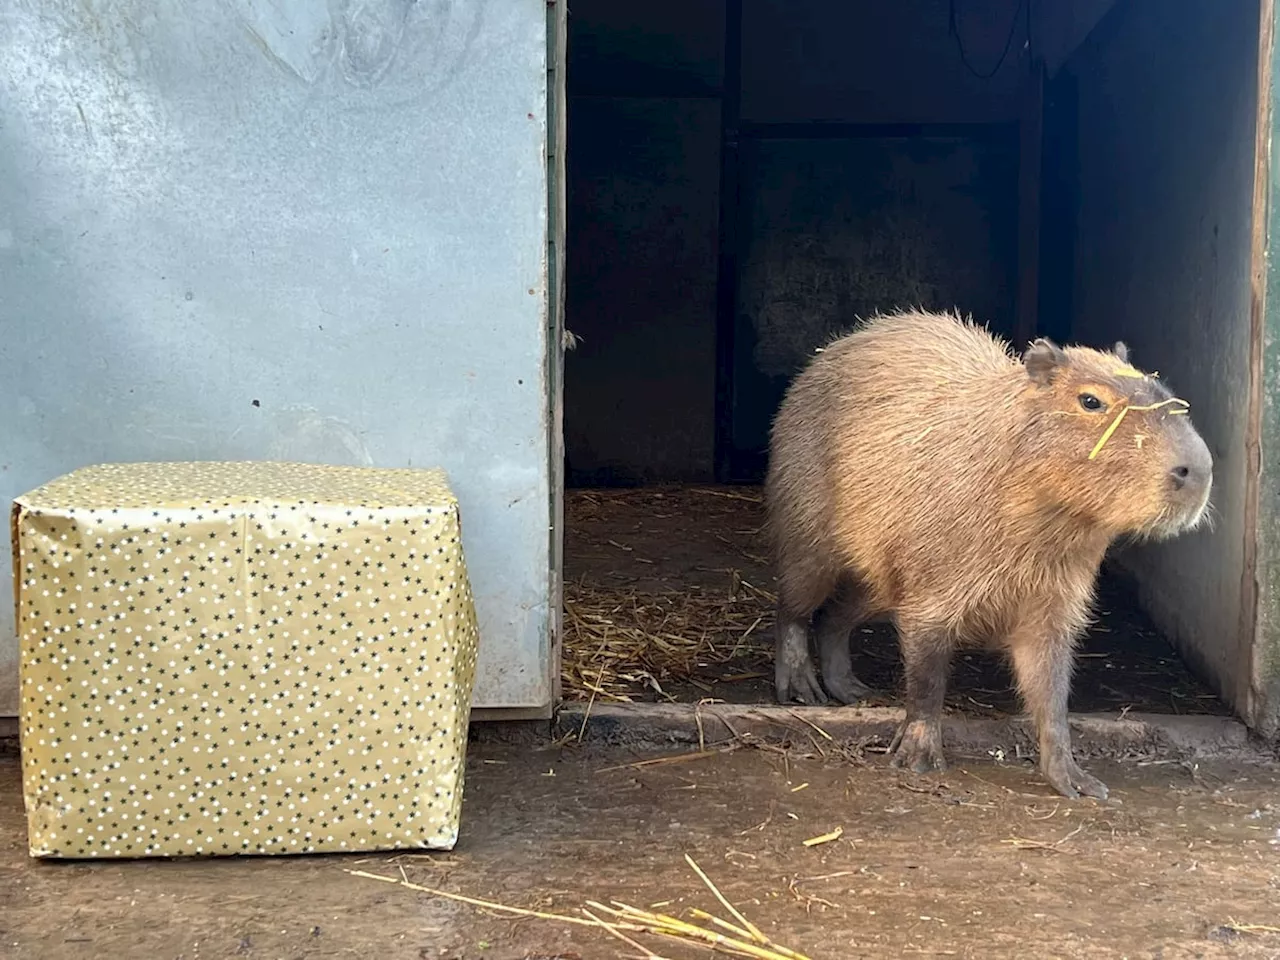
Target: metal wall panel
pixel 302 229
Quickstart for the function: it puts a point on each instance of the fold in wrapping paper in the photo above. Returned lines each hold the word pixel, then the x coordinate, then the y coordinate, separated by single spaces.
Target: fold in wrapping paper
pixel 223 658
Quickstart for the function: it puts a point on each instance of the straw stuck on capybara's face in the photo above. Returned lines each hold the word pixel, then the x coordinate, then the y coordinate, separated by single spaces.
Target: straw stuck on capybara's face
pixel 1113 444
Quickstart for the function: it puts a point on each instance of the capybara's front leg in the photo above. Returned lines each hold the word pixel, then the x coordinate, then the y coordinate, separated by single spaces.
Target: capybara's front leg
pixel 1043 663
pixel 926 655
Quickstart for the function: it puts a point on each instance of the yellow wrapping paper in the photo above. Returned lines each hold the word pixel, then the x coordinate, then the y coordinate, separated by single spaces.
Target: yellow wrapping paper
pixel 231 658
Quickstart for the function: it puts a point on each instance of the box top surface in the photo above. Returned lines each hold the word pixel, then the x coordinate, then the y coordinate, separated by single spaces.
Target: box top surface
pixel 227 484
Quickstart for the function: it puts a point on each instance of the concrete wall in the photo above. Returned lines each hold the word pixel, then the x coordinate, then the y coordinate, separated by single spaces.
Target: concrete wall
pixel 875 61
pixel 641 289
pixel 645 85
pixel 1167 100
pixel 835 229
pixel 644 206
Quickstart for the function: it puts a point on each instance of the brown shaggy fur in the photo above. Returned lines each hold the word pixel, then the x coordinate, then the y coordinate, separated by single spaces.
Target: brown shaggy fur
pixel 920 472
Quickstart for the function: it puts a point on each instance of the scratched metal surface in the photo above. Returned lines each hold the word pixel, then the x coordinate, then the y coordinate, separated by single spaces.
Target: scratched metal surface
pixel 291 230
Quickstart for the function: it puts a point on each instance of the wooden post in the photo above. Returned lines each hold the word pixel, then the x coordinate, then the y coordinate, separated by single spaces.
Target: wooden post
pixel 1257 685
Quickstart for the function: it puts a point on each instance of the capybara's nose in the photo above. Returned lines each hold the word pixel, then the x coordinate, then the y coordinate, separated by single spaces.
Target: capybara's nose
pixel 1194 466
pixel 1194 475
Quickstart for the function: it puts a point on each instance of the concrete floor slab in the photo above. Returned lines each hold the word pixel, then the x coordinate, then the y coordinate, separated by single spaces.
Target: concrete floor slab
pixel 981 861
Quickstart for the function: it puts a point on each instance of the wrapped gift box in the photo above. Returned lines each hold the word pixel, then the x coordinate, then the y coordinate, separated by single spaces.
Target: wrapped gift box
pixel 242 658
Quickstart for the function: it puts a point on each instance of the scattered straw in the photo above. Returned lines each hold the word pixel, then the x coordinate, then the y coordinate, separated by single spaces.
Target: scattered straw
pixel 1021 843
pixel 808 899
pixel 740 939
pixel 472 901
pixel 1125 408
pixel 756 934
pixel 613 930
pixel 619 642
pixel 632 630
pixel 1250 927
pixel 674 758
pixel 676 929
pixel 809 723
pixel 835 834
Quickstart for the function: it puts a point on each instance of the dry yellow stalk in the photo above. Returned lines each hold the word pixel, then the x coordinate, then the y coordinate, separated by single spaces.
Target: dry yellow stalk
pixel 486 904
pixel 835 834
pixel 613 931
pixel 1251 927
pixel 1124 409
pixel 723 924
pixel 667 926
pixel 755 933
pixel 633 920
pixel 810 723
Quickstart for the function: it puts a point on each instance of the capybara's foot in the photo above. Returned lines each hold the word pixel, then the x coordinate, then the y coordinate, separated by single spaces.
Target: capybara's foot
pixel 1065 776
pixel 845 687
pixel 917 747
pixel 795 680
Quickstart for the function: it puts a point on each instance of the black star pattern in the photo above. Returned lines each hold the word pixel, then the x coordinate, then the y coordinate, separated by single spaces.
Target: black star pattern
pixel 225 658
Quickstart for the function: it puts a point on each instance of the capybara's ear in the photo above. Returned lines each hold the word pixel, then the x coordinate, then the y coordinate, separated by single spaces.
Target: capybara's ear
pixel 1043 360
pixel 1121 350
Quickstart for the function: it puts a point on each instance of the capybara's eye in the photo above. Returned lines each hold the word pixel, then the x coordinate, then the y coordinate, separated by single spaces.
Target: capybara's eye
pixel 1091 403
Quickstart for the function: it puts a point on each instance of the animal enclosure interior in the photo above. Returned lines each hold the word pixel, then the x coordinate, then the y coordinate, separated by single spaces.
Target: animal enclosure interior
pixel 746 178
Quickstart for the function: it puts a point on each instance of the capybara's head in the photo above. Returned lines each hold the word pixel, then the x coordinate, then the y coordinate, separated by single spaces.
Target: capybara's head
pixel 1112 444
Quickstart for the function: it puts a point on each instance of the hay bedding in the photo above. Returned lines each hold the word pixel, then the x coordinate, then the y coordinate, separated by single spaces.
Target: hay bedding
pixel 667 589
pixel 669 597
pixel 621 643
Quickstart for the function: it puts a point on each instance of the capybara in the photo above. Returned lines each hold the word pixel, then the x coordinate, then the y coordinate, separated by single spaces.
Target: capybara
pixel 921 473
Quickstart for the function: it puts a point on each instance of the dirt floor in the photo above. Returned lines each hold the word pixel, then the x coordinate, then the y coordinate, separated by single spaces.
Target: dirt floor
pixel 978 862
pixel 669 598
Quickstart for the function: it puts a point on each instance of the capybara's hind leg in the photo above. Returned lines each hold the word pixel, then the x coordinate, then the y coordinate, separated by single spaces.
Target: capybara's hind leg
pixel 794 676
pixel 802 588
pixel 834 622
pixel 926 654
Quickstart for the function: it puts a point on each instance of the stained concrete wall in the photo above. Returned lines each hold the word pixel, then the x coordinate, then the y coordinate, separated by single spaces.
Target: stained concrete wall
pixel 643 209
pixel 835 229
pixel 1167 101
pixel 644 205
pixel 645 86
pixel 287 230
pixel 870 61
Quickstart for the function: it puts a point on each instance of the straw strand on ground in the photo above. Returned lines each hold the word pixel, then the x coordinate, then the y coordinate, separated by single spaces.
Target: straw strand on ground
pixel 746 940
